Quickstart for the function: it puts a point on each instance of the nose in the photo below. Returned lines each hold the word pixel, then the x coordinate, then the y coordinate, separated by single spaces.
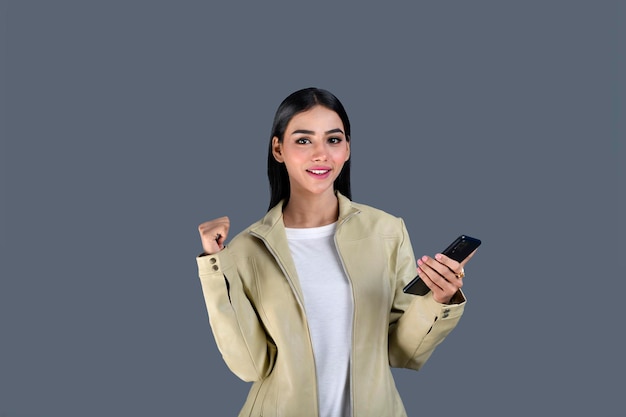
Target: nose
pixel 319 153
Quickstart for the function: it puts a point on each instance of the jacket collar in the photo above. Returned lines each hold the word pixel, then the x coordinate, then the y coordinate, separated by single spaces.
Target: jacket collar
pixel 271 230
pixel 273 219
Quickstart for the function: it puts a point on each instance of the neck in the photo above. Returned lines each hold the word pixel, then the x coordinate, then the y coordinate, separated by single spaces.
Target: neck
pixel 311 211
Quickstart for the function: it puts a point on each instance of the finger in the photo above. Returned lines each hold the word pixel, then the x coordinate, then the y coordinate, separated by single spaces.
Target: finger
pixel 444 269
pixel 442 290
pixel 434 271
pixel 221 221
pixel 210 246
pixel 210 243
pixel 441 274
pixel 425 279
pixel 217 226
pixel 214 233
pixel 450 263
pixel 219 239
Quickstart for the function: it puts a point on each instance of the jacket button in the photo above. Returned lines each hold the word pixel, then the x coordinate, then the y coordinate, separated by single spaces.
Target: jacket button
pixel 446 310
pixel 212 260
pixel 216 268
pixel 444 315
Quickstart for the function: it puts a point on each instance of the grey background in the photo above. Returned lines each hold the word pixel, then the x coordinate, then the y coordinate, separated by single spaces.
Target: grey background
pixel 127 123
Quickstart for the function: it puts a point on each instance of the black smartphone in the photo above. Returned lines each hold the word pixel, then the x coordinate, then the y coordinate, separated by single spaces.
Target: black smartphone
pixel 457 250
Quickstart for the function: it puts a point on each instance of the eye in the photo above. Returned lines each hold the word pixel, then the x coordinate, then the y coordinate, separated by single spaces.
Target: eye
pixel 334 140
pixel 302 141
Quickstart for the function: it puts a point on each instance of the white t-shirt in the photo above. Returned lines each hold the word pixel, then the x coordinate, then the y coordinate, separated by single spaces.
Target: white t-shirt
pixel 328 305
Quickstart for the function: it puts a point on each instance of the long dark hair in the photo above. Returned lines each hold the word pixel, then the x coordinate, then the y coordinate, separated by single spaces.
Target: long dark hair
pixel 298 102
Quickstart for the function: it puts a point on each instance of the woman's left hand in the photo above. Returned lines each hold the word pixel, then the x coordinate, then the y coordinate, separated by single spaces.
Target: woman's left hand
pixel 444 276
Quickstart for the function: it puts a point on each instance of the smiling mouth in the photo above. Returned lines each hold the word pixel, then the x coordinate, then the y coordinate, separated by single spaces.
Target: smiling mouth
pixel 318 171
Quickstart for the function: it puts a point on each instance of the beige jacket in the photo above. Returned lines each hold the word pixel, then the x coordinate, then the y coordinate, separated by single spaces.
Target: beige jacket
pixel 255 306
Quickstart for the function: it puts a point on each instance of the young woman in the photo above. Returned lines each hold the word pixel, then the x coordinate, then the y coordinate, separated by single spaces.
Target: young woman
pixel 307 302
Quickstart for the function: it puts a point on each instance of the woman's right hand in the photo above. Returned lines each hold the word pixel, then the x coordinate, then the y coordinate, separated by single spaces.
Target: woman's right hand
pixel 213 234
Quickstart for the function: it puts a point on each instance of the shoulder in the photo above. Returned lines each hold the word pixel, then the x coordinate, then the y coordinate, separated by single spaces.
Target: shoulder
pixel 347 208
pixel 374 212
pixel 375 220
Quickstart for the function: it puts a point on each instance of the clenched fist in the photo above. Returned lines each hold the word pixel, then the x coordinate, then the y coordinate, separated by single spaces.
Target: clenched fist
pixel 213 234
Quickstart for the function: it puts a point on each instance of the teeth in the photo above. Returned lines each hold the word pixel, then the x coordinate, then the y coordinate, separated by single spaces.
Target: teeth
pixel 319 171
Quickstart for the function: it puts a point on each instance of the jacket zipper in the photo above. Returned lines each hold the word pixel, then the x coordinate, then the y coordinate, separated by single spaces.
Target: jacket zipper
pixel 345 271
pixel 282 268
pixel 300 303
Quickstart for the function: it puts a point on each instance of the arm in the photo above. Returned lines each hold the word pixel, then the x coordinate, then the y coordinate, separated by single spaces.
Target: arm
pixel 418 324
pixel 238 332
pixel 239 335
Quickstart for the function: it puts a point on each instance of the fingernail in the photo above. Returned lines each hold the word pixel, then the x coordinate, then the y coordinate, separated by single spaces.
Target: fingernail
pixel 438 256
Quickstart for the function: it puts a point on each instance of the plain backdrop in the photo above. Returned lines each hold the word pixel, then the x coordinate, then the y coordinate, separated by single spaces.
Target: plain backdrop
pixel 125 124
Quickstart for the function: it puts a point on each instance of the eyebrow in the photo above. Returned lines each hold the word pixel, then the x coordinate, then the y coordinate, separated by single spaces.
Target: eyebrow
pixel 310 132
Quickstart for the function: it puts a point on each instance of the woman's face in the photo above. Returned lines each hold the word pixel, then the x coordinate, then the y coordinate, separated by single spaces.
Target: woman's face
pixel 314 150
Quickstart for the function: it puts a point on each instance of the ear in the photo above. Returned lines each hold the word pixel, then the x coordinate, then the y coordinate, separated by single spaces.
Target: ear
pixel 277 150
pixel 348 154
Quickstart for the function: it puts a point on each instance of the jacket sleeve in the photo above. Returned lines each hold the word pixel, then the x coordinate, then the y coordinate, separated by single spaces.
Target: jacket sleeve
pixel 238 332
pixel 417 324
